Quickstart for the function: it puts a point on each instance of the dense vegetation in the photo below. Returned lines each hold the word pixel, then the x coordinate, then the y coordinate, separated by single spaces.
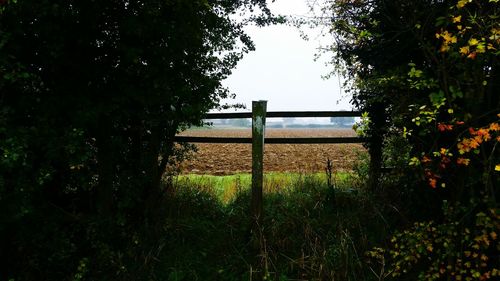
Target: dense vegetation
pixel 310 232
pixel 92 93
pixel 428 73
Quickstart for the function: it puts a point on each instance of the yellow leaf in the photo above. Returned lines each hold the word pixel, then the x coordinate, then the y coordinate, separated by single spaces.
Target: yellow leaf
pixel 430 248
pixel 497 168
pixel 449 37
pixel 463 161
pixel 473 42
pixel 444 48
pixel 462 3
pixel 464 50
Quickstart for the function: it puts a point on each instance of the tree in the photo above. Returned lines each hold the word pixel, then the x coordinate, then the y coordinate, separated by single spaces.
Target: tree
pixel 396 54
pixel 428 71
pixel 289 121
pixel 373 44
pixel 342 121
pixel 92 94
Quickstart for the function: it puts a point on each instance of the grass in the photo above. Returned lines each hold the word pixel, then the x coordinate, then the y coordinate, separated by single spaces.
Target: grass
pixel 309 232
pixel 227 188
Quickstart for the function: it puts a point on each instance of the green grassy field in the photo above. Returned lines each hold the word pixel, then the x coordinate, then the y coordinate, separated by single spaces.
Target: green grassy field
pixel 226 188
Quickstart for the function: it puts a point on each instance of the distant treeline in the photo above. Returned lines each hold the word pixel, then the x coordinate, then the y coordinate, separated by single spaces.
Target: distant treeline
pixel 311 126
pixel 287 126
pixel 335 122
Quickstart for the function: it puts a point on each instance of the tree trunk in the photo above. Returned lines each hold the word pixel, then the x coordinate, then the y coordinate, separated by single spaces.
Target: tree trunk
pixel 375 145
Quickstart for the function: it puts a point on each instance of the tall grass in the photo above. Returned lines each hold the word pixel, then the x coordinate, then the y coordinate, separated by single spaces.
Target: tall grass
pixel 311 231
pixel 227 188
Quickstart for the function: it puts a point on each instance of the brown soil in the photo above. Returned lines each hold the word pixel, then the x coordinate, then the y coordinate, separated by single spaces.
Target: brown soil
pixel 222 159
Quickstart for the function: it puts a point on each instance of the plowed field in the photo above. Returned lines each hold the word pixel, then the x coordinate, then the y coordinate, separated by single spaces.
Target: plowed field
pixel 223 159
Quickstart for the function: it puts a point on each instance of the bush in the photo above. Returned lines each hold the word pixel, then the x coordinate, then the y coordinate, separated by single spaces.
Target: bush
pixel 464 248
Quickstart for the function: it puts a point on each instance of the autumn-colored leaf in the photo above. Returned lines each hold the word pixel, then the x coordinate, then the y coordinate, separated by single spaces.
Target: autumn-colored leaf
pixel 426 159
pixel 474 143
pixel 484 134
pixel 494 127
pixel 430 248
pixel 432 182
pixel 463 147
pixel 473 42
pixel 446 160
pixel 464 50
pixel 463 161
pixel 444 48
pixel 462 3
pixel 444 127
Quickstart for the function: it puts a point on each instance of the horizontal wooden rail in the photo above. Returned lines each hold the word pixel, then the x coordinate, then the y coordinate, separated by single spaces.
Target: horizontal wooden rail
pixel 312 140
pixel 285 114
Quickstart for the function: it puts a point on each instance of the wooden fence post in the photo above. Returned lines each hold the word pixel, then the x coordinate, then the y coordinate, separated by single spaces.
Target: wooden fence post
pixel 258 133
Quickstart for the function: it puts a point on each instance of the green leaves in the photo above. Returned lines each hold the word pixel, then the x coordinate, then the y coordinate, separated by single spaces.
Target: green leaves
pixel 437 99
pixel 414 73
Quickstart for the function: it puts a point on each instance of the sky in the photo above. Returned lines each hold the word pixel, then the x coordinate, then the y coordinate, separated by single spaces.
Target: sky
pixel 282 70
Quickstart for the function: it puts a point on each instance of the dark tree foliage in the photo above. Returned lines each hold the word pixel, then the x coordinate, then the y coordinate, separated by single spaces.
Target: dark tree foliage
pixel 413 84
pixel 375 41
pixel 91 95
pixel 427 72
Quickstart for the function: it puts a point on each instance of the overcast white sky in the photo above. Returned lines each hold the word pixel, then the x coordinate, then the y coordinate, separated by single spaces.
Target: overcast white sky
pixel 282 70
